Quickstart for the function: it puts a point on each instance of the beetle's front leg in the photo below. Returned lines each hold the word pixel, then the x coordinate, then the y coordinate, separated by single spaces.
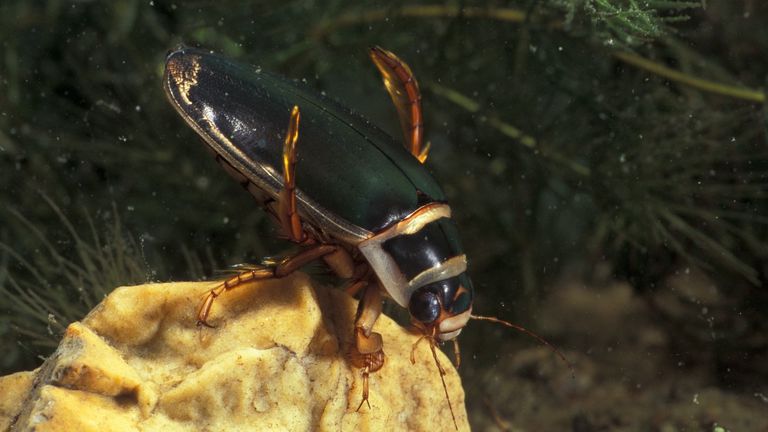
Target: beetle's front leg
pixel 367 353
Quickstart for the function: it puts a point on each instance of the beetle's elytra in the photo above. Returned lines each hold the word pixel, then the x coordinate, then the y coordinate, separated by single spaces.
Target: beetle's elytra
pixel 338 186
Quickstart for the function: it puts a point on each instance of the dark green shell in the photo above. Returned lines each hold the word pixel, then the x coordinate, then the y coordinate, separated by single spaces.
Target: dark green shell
pixel 347 171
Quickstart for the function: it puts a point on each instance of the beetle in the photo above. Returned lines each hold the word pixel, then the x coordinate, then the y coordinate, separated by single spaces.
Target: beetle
pixel 339 187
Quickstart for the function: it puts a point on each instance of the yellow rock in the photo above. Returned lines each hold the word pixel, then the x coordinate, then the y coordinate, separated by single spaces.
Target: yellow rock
pixel 275 361
pixel 13 391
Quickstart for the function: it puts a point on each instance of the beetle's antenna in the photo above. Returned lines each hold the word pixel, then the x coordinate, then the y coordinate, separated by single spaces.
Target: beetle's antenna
pixel 413 348
pixel 442 378
pixel 522 329
pixel 432 343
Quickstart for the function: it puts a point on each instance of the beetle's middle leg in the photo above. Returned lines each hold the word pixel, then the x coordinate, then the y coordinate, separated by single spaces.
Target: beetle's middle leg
pixel 281 269
pixel 367 353
pixel 286 211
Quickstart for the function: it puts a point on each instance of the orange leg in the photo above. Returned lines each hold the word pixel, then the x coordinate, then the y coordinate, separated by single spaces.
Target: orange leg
pixel 281 269
pixel 287 213
pixel 456 353
pixel 368 350
pixel 353 288
pixel 404 91
pixel 359 280
pixel 341 263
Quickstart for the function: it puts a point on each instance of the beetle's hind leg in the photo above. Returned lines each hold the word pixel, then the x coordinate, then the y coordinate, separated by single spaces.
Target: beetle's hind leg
pixel 286 212
pixel 367 352
pixel 404 91
pixel 280 269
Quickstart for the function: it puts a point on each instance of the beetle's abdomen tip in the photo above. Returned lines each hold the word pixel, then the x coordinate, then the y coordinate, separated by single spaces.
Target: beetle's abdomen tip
pixel 175 49
pixel 181 69
pixel 176 58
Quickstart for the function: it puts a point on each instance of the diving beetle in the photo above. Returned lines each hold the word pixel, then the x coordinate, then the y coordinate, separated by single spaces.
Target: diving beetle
pixel 339 187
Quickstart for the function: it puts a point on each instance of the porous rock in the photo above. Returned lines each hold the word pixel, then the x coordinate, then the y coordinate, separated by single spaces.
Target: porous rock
pixel 277 360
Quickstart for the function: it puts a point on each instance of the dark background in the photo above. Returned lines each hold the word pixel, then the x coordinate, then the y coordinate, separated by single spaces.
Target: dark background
pixel 605 159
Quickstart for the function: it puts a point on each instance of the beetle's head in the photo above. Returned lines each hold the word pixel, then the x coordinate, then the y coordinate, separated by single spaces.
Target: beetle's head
pixel 441 309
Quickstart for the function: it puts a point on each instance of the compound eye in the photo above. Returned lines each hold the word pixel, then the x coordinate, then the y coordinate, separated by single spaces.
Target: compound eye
pixel 424 306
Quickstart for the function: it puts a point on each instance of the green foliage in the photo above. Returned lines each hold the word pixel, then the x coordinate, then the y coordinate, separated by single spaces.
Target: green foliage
pixel 625 22
pixel 48 283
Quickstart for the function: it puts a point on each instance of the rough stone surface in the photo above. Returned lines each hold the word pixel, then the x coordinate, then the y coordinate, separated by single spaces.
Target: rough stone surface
pixel 275 361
